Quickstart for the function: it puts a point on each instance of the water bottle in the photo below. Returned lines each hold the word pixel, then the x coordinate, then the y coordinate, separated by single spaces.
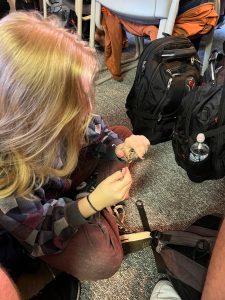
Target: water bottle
pixel 199 150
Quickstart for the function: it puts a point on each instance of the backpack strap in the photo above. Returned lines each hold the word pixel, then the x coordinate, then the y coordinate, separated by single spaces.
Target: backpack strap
pixel 161 267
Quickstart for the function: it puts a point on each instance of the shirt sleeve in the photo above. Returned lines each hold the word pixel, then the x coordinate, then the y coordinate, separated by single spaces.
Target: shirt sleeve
pixel 98 132
pixel 42 228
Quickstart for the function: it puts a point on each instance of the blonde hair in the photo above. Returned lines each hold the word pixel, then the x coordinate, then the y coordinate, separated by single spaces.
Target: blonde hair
pixel 46 85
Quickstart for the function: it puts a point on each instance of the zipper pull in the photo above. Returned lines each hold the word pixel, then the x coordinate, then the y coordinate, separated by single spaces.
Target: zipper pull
pixel 169 71
pixel 198 61
pixel 172 74
pixel 169 83
pixel 195 59
pixel 143 67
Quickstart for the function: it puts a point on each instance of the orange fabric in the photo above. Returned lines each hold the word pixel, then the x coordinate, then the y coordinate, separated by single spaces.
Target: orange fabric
pixel 196 21
pixel 113 44
pixel 140 30
pixel 104 9
pixel 113 40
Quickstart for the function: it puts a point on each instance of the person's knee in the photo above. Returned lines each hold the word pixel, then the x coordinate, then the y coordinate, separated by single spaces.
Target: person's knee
pixel 95 251
pixel 104 255
pixel 101 266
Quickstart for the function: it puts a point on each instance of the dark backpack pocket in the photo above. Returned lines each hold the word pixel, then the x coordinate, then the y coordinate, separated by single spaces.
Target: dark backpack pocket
pixel 199 171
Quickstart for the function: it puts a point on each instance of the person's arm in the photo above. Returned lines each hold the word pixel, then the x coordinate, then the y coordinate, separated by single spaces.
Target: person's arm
pixel 214 287
pixel 42 227
pixel 8 290
pixel 98 132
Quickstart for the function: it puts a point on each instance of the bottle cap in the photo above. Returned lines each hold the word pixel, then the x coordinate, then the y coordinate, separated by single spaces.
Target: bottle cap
pixel 200 138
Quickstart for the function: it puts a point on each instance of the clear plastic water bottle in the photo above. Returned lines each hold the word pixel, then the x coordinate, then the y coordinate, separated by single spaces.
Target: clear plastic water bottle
pixel 199 150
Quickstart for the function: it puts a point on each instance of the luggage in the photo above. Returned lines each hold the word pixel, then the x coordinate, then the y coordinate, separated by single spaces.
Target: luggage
pixel 186 255
pixel 167 70
pixel 203 111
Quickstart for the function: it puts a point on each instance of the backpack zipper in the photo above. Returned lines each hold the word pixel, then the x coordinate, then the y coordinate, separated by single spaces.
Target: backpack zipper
pixel 143 67
pixel 149 82
pixel 171 78
pixel 169 83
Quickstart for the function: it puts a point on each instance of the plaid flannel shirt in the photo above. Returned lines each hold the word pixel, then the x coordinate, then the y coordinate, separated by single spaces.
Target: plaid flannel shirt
pixel 44 225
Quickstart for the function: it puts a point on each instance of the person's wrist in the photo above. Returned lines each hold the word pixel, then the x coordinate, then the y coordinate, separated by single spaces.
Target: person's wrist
pixel 91 205
pixel 95 201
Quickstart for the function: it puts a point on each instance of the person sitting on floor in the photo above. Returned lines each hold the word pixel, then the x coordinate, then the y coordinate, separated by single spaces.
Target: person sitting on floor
pixel 47 132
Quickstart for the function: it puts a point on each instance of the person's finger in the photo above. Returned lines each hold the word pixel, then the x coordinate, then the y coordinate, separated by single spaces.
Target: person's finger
pixel 125 170
pixel 114 177
pixel 125 192
pixel 119 150
pixel 139 143
pixel 120 153
pixel 126 196
pixel 140 151
pixel 124 181
pixel 145 140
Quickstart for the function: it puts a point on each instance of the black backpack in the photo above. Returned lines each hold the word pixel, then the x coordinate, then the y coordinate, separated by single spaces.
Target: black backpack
pixel 184 255
pixel 203 111
pixel 167 70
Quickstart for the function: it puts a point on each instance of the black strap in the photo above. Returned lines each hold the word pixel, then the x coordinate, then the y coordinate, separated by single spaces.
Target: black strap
pixel 143 216
pixel 158 259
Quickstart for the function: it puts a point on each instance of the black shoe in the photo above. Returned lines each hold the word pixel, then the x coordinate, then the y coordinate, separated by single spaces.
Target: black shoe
pixel 63 287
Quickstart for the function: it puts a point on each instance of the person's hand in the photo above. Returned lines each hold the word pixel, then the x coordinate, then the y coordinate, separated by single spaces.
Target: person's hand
pixel 112 190
pixel 137 143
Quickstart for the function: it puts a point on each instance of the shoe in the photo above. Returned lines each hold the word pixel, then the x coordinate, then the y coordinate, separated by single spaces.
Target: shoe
pixel 62 287
pixel 164 290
